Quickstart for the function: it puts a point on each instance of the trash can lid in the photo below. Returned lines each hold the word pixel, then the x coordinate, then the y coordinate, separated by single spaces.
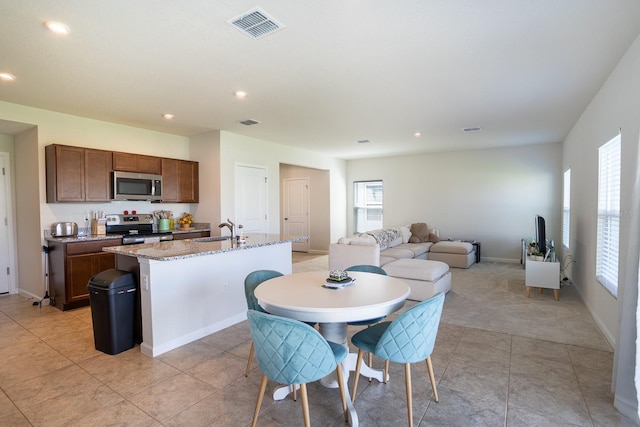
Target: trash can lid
pixel 112 279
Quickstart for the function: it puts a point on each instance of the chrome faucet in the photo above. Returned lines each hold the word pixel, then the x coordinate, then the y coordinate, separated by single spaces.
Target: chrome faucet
pixel 231 226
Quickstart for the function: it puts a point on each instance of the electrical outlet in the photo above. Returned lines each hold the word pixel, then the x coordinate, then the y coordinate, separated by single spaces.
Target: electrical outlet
pixel 144 278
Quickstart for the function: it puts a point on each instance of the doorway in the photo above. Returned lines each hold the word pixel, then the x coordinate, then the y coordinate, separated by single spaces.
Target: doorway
pixel 7 267
pixel 295 211
pixel 251 199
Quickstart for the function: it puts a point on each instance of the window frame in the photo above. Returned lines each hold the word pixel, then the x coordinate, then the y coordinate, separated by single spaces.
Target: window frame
pixel 608 214
pixel 566 209
pixel 362 203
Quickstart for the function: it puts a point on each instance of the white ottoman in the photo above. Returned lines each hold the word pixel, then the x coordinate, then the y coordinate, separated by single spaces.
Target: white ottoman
pixel 454 253
pixel 425 278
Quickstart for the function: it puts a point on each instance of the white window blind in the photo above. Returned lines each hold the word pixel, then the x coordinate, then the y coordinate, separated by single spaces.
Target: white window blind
pixel 608 215
pixel 367 205
pixel 566 209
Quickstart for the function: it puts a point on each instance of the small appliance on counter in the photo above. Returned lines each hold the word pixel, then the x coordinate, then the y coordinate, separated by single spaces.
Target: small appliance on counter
pixel 64 229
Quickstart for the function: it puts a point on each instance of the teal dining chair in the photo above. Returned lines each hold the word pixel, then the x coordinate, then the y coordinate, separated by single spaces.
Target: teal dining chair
pixel 367 269
pixel 251 282
pixel 408 339
pixel 292 352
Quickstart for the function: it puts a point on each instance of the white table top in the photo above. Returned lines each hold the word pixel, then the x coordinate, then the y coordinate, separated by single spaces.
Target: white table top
pixel 301 296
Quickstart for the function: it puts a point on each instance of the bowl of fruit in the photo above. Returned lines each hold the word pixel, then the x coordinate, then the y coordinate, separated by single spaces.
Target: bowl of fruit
pixel 186 221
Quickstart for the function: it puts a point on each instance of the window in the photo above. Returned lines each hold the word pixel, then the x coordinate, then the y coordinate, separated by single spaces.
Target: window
pixel 608 215
pixel 566 209
pixel 367 205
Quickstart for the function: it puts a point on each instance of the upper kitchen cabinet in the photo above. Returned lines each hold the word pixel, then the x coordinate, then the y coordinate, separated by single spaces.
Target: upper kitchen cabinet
pixel 180 181
pixel 76 174
pixel 129 162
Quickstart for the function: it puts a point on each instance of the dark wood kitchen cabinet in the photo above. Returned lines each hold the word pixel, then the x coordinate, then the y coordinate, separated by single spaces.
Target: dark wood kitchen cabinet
pixel 191 235
pixel 129 162
pixel 71 265
pixel 76 174
pixel 180 181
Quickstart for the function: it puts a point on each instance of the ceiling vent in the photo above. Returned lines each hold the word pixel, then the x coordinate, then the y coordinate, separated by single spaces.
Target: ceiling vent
pixel 472 130
pixel 250 122
pixel 256 23
pixel 364 141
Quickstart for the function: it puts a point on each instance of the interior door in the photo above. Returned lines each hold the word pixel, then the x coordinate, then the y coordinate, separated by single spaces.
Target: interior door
pixel 251 199
pixel 296 211
pixel 5 268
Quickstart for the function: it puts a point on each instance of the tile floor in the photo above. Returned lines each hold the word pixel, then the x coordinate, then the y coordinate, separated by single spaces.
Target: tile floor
pixel 51 375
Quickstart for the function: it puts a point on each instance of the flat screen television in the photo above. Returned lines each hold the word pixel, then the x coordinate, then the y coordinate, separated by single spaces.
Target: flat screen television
pixel 541 238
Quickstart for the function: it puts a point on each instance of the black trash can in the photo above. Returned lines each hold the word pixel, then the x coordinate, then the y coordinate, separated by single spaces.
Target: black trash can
pixel 112 295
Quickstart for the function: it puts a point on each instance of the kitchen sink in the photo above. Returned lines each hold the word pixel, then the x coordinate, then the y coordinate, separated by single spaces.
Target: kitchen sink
pixel 212 239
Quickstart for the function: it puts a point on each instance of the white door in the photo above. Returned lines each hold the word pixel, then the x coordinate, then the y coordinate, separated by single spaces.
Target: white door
pixel 6 269
pixel 295 211
pixel 251 199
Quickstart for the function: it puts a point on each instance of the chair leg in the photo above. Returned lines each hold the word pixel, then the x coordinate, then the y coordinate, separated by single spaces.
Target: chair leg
pixel 357 375
pixel 305 405
pixel 263 387
pixel 342 391
pixel 407 380
pixel 432 378
pixel 295 392
pixel 370 363
pixel 386 371
pixel 251 351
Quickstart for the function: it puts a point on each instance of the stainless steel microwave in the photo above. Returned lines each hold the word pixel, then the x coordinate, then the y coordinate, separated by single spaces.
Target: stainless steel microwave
pixel 136 186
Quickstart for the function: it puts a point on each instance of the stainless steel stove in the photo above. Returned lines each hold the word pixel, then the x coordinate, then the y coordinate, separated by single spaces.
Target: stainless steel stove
pixel 138 228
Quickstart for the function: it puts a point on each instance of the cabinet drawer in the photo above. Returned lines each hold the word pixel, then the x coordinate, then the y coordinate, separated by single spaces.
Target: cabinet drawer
pixel 91 247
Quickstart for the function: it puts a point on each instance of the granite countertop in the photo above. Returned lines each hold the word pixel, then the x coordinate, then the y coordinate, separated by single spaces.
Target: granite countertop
pixel 196 227
pixel 180 249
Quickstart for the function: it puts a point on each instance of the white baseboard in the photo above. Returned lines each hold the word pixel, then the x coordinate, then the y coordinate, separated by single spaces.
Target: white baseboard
pixel 33 297
pixel 626 408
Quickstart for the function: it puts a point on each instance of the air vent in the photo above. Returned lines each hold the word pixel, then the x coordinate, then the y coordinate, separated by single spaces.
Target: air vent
pixel 364 141
pixel 256 23
pixel 250 122
pixel 472 130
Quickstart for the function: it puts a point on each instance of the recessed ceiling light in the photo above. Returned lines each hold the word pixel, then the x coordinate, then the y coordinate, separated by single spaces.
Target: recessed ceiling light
pixel 168 116
pixel 7 77
pixel 240 94
pixel 57 27
pixel 417 134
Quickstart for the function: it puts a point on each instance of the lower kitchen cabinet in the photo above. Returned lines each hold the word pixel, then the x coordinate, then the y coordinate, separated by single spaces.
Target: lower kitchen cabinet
pixel 71 265
pixel 191 235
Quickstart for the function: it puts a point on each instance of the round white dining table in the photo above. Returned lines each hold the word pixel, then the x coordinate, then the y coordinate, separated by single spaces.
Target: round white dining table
pixel 304 297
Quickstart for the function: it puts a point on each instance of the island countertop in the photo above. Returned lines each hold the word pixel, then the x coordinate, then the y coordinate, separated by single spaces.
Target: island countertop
pixel 180 249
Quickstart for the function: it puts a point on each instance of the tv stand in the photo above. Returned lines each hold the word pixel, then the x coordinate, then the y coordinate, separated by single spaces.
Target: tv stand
pixel 542 274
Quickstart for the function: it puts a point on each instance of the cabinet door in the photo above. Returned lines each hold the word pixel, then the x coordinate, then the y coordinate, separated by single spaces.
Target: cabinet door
pixel 188 182
pixel 79 270
pixel 97 171
pixel 149 164
pixel 137 163
pixel 194 235
pixel 169 180
pixel 65 174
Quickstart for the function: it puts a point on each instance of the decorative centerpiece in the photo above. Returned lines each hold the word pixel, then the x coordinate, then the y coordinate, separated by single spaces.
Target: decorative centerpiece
pixel 338 279
pixel 186 221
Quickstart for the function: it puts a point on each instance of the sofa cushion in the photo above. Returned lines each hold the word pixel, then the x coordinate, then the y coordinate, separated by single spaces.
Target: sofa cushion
pixel 398 252
pixel 405 230
pixel 417 248
pixel 357 240
pixel 417 269
pixel 452 247
pixel 385 236
pixel 419 232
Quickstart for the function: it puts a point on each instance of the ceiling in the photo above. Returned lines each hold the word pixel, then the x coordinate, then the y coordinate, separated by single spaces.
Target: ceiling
pixel 340 71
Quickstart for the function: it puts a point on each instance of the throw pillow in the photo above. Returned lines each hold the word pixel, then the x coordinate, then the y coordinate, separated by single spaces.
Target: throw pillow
pixel 434 235
pixel 406 233
pixel 419 233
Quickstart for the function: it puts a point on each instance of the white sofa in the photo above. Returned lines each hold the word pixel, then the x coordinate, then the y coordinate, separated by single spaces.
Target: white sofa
pixel 398 257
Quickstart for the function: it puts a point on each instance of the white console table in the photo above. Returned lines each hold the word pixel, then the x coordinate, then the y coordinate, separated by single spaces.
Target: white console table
pixel 541 274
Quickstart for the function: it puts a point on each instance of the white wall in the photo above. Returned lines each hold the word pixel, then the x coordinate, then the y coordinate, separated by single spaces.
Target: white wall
pixel 237 149
pixel 615 107
pixel 488 195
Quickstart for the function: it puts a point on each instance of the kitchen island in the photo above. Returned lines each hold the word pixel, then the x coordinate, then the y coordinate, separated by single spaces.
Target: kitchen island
pixel 195 287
